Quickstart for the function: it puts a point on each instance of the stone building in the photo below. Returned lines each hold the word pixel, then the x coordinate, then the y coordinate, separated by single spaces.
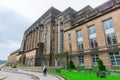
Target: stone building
pixel 42 31
pixel 95 34
pixel 12 58
pixel 83 36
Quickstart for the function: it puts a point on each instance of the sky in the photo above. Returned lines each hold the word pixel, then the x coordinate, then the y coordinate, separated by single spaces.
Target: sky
pixel 17 15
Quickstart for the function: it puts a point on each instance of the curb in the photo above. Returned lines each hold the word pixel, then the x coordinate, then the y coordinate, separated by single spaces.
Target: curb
pixel 55 75
pixel 58 76
pixel 2 77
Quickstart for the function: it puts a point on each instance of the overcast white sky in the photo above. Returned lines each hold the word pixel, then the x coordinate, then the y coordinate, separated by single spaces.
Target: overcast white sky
pixel 17 15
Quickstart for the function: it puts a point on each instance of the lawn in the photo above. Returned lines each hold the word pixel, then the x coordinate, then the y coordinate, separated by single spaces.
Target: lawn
pixel 84 76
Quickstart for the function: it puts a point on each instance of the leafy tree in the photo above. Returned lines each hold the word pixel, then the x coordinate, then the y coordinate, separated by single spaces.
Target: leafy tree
pixel 101 66
pixel 71 65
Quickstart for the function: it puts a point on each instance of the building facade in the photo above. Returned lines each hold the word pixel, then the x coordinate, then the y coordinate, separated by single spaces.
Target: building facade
pixel 13 57
pixel 82 36
pixel 42 31
pixel 95 35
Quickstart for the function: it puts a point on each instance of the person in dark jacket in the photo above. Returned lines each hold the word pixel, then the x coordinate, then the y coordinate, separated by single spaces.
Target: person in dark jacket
pixel 44 71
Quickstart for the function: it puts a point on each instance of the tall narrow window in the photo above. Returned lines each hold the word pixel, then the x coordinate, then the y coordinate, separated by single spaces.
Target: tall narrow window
pixel 92 35
pixel 109 31
pixel 95 60
pixel 70 47
pixel 115 59
pixel 80 40
pixel 69 36
pixel 81 60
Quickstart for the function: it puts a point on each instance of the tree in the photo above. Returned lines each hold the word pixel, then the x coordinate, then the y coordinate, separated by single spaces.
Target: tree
pixel 101 66
pixel 23 58
pixel 71 65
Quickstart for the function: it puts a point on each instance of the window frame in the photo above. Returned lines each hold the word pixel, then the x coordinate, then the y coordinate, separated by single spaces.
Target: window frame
pixel 110 33
pixel 81 60
pixel 95 59
pixel 115 58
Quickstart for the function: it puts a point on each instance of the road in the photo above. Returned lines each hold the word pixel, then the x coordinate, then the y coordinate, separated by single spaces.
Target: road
pixel 15 76
pixel 19 74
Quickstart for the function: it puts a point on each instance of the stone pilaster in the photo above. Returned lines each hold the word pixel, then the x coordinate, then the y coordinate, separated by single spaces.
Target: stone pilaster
pixel 116 25
pixel 28 42
pixel 101 39
pixel 85 34
pixel 88 61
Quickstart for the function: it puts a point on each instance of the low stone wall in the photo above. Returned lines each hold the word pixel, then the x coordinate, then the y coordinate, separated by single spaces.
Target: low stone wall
pixel 35 69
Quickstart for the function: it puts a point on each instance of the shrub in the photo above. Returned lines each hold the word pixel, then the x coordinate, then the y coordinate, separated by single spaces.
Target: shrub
pixel 101 66
pixel 71 65
pixel 23 59
pixel 14 66
pixel 20 64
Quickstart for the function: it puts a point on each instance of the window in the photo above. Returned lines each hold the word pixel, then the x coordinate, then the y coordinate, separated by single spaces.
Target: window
pixel 81 60
pixel 92 30
pixel 115 59
pixel 69 36
pixel 92 35
pixel 110 33
pixel 79 34
pixel 93 42
pixel 70 47
pixel 80 45
pixel 108 24
pixel 111 39
pixel 95 60
pixel 80 41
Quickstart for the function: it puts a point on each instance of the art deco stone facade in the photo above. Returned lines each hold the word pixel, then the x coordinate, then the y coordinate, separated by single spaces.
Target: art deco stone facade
pixel 87 35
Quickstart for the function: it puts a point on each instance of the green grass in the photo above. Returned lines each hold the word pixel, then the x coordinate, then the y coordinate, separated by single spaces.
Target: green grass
pixel 84 76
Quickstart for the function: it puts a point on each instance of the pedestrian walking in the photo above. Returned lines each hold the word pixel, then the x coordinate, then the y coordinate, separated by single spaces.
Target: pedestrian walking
pixel 44 70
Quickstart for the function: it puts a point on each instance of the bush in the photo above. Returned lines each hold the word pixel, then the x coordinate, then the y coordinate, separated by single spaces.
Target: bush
pixel 102 69
pixel 23 59
pixel 14 66
pixel 20 64
pixel 71 65
pixel 101 66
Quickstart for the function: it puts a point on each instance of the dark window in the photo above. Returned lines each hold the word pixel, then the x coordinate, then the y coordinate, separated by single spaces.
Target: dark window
pixel 93 42
pixel 115 59
pixel 111 39
pixel 69 36
pixel 70 47
pixel 81 60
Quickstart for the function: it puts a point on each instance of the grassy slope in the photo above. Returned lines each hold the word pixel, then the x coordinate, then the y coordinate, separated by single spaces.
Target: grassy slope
pixel 85 76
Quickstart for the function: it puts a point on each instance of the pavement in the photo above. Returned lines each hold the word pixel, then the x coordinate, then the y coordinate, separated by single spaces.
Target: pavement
pixel 42 77
pixel 38 75
pixel 2 77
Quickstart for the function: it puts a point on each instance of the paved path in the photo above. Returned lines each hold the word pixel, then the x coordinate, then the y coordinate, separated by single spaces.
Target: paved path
pixel 14 76
pixel 2 76
pixel 18 74
pixel 42 77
